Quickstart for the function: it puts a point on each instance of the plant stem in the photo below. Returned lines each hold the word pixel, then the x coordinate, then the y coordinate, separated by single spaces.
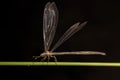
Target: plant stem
pixel 104 64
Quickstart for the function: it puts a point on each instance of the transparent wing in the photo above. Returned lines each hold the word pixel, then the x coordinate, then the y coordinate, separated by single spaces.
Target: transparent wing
pixel 71 31
pixel 79 53
pixel 50 20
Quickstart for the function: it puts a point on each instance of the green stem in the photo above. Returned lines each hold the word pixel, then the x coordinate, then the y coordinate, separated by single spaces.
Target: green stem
pixel 105 64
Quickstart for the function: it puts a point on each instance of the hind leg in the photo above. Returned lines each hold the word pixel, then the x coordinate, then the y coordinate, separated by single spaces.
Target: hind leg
pixel 55 59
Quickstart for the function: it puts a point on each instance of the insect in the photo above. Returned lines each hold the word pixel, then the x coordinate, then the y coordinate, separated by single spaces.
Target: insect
pixel 50 20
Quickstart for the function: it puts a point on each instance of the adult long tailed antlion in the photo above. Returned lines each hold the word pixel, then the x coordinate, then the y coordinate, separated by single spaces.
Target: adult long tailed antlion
pixel 50 20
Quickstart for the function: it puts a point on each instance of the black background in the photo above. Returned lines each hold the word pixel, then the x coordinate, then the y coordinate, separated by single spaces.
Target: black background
pixel 22 37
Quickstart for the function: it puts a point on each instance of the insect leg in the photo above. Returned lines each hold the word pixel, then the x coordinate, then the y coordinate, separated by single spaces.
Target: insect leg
pixel 36 57
pixel 43 59
pixel 48 58
pixel 54 58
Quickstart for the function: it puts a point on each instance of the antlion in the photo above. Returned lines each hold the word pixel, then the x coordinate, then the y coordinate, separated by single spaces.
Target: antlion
pixel 50 20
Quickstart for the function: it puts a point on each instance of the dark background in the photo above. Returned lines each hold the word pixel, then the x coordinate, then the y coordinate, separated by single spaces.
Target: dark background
pixel 21 38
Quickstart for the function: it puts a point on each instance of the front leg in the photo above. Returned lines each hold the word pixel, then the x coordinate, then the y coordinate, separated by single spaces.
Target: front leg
pixel 43 59
pixel 36 57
